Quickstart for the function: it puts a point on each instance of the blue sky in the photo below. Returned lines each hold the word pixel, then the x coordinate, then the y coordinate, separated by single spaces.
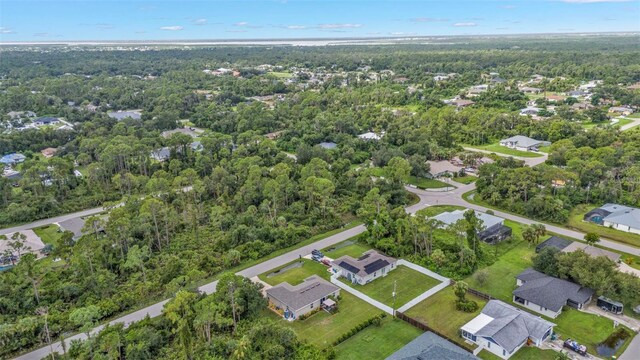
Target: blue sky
pixel 53 20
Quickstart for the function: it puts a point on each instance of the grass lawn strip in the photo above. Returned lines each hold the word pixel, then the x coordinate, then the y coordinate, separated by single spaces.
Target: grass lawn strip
pixel 409 284
pixel 295 276
pixel 439 312
pixel 50 234
pixel 497 148
pixel 378 342
pixel 525 353
pixel 322 328
pixel 468 179
pixel 354 250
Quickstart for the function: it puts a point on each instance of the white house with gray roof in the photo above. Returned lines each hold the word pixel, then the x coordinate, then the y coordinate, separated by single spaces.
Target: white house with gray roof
pixel 300 299
pixel 547 295
pixel 366 268
pixel 493 231
pixel 616 216
pixel 523 143
pixel 503 329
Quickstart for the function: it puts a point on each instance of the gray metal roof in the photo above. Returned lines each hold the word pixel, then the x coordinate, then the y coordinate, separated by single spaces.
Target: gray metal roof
pixel 450 218
pixel 554 241
pixel 430 346
pixel 511 326
pixel 524 141
pixel 328 145
pixel 296 297
pixel 119 115
pixel 550 292
pixel 74 225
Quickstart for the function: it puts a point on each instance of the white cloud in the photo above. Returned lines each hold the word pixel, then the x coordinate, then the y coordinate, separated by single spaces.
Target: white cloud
pixel 4 30
pixel 236 31
pixel 401 33
pixel 172 28
pixel 465 24
pixel 339 26
pixel 296 27
pixel 241 23
pixel 200 21
pixel 508 7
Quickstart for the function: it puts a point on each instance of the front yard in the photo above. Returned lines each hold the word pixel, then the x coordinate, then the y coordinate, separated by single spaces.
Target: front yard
pixel 378 342
pixel 497 148
pixel 322 328
pixel 50 234
pixel 295 275
pixel 350 247
pixel 439 312
pixel 408 283
pixel 420 182
pixel 576 222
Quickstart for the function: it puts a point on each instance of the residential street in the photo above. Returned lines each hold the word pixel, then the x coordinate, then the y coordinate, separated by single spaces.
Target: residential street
pixel 52 220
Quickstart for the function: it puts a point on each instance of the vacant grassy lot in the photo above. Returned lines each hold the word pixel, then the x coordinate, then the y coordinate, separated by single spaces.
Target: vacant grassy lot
pixel 296 275
pixel 439 312
pixel 409 284
pixel 354 250
pixel 280 74
pixel 322 328
pixel 50 234
pixel 420 182
pixel 576 222
pixel 497 148
pixel 378 342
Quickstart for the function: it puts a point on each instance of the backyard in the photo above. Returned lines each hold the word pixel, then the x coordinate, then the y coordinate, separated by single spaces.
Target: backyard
pixel 439 312
pixel 378 342
pixel 322 328
pixel 505 150
pixel 408 284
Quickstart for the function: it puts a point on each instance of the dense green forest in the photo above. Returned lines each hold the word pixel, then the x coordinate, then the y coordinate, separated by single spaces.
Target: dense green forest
pixel 241 196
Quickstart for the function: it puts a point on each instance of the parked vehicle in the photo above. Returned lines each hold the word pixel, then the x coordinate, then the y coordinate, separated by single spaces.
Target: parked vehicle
pixel 609 305
pixel 317 252
pixel 575 346
pixel 316 258
pixel 326 262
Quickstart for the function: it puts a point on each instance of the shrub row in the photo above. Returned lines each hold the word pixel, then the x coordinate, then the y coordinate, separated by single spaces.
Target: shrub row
pixel 363 325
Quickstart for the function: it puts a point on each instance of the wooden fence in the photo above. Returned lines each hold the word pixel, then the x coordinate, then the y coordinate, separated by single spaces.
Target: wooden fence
pixel 424 327
pixel 477 293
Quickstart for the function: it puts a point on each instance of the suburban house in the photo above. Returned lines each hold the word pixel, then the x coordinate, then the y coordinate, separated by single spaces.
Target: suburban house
pixel 494 228
pixel 530 90
pixel 592 251
pixel 123 114
pixel 554 242
pixel 431 346
pixel 621 110
pixel 371 136
pixel 364 269
pixel 49 152
pixel 530 110
pixel 555 98
pixel 503 329
pixel 523 143
pixel 547 295
pixel 619 217
pixel 161 154
pixel 47 120
pixel 294 301
pixel 443 168
pixel 12 159
pixel 31 244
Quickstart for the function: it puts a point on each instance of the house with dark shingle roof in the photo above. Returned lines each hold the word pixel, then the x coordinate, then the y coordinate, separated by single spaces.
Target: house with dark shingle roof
pixel 431 346
pixel 303 298
pixel 503 329
pixel 364 269
pixel 547 295
pixel 554 242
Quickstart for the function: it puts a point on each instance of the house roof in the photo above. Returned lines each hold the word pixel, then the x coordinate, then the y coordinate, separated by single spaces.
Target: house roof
pixel 621 214
pixel 74 225
pixel 370 262
pixel 554 241
pixel 439 167
pixel 450 218
pixel 328 145
pixel 523 141
pixel 296 297
pixel 120 114
pixel 370 136
pixel 591 250
pixel 549 292
pixel 32 241
pixel 12 158
pixel 430 346
pixel 509 326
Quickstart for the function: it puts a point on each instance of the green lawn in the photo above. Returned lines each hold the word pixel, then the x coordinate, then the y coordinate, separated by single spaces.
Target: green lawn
pixel 280 74
pixel 623 122
pixel 409 284
pixel 497 148
pixel 587 329
pixel 354 250
pixel 576 222
pixel 378 342
pixel 50 234
pixel 635 116
pixel 525 353
pixel 468 179
pixel 322 328
pixel 438 209
pixel 296 275
pixel 420 182
pixel 439 312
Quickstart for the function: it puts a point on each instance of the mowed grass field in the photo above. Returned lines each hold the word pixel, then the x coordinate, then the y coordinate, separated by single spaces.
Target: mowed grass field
pixel 408 283
pixel 497 148
pixel 354 250
pixel 377 342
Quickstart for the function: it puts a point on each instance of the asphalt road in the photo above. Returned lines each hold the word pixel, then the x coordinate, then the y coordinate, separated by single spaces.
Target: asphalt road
pixel 52 220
